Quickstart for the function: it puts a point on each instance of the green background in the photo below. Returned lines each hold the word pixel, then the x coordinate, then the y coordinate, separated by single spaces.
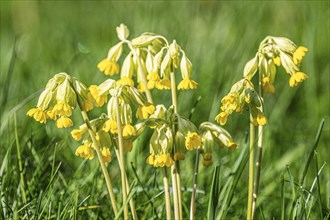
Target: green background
pixel 218 37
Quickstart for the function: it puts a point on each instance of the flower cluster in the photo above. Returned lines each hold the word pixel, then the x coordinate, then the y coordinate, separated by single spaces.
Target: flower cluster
pixel 276 51
pixel 241 95
pixel 150 57
pixel 59 99
pixel 169 143
pixel 272 52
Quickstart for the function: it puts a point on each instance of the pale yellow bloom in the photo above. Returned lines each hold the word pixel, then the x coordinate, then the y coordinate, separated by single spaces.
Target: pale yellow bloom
pixel 267 86
pixel 38 115
pixel 110 125
pixel 297 78
pixel 64 122
pixel 187 83
pixel 62 108
pixel 99 99
pixel 128 130
pixel 163 160
pixel 151 159
pixel 144 111
pixel 77 134
pixel 85 151
pixel 193 141
pixel 109 67
pixel 164 83
pixel 277 61
pixel 106 155
pixel 298 54
pixel 221 118
pixel 125 81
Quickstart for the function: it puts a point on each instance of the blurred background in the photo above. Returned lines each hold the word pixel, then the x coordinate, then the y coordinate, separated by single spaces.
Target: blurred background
pixel 41 38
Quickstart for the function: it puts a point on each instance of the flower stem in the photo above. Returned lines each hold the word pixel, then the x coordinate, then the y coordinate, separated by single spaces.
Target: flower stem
pixel 149 98
pixel 259 157
pixel 175 168
pixel 131 202
pixel 121 158
pixel 193 195
pixel 251 170
pixel 167 194
pixel 101 161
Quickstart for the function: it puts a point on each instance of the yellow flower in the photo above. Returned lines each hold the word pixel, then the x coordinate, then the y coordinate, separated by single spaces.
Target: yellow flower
pixel 261 119
pixel 229 102
pixel 187 83
pixel 77 134
pixel 221 118
pixel 38 115
pixel 193 141
pixel 267 86
pixel 179 156
pixel 298 54
pixel 151 159
pixel 153 80
pixel 85 152
pixel 64 122
pixel 163 160
pixel 87 105
pixel 106 155
pixel 297 78
pixel 231 144
pixel 110 125
pixel 109 67
pixel 129 130
pixel 164 83
pixel 144 111
pixel 99 99
pixel 51 115
pixel 141 87
pixel 125 81
pixel 62 108
pixel 277 61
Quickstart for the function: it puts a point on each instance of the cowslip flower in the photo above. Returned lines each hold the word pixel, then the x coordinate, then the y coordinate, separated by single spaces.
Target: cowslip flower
pixel 109 66
pixel 193 141
pixel 85 151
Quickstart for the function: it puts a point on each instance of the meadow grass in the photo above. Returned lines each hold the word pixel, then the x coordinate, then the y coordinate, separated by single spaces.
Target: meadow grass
pixel 41 178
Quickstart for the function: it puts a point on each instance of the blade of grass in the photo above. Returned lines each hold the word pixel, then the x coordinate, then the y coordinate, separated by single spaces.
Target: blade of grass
pixel 214 193
pixel 316 141
pixel 282 198
pixel 318 185
pixel 20 166
pixel 129 197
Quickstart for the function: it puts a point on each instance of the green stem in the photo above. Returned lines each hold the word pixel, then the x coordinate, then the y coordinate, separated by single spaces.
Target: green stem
pixel 167 194
pixel 193 195
pixel 259 157
pixel 121 158
pixel 175 168
pixel 101 161
pixel 131 202
pixel 251 170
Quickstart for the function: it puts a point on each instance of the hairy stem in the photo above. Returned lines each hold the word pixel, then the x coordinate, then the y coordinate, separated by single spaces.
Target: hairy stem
pixel 101 161
pixel 121 158
pixel 131 202
pixel 251 170
pixel 193 195
pixel 175 168
pixel 259 157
